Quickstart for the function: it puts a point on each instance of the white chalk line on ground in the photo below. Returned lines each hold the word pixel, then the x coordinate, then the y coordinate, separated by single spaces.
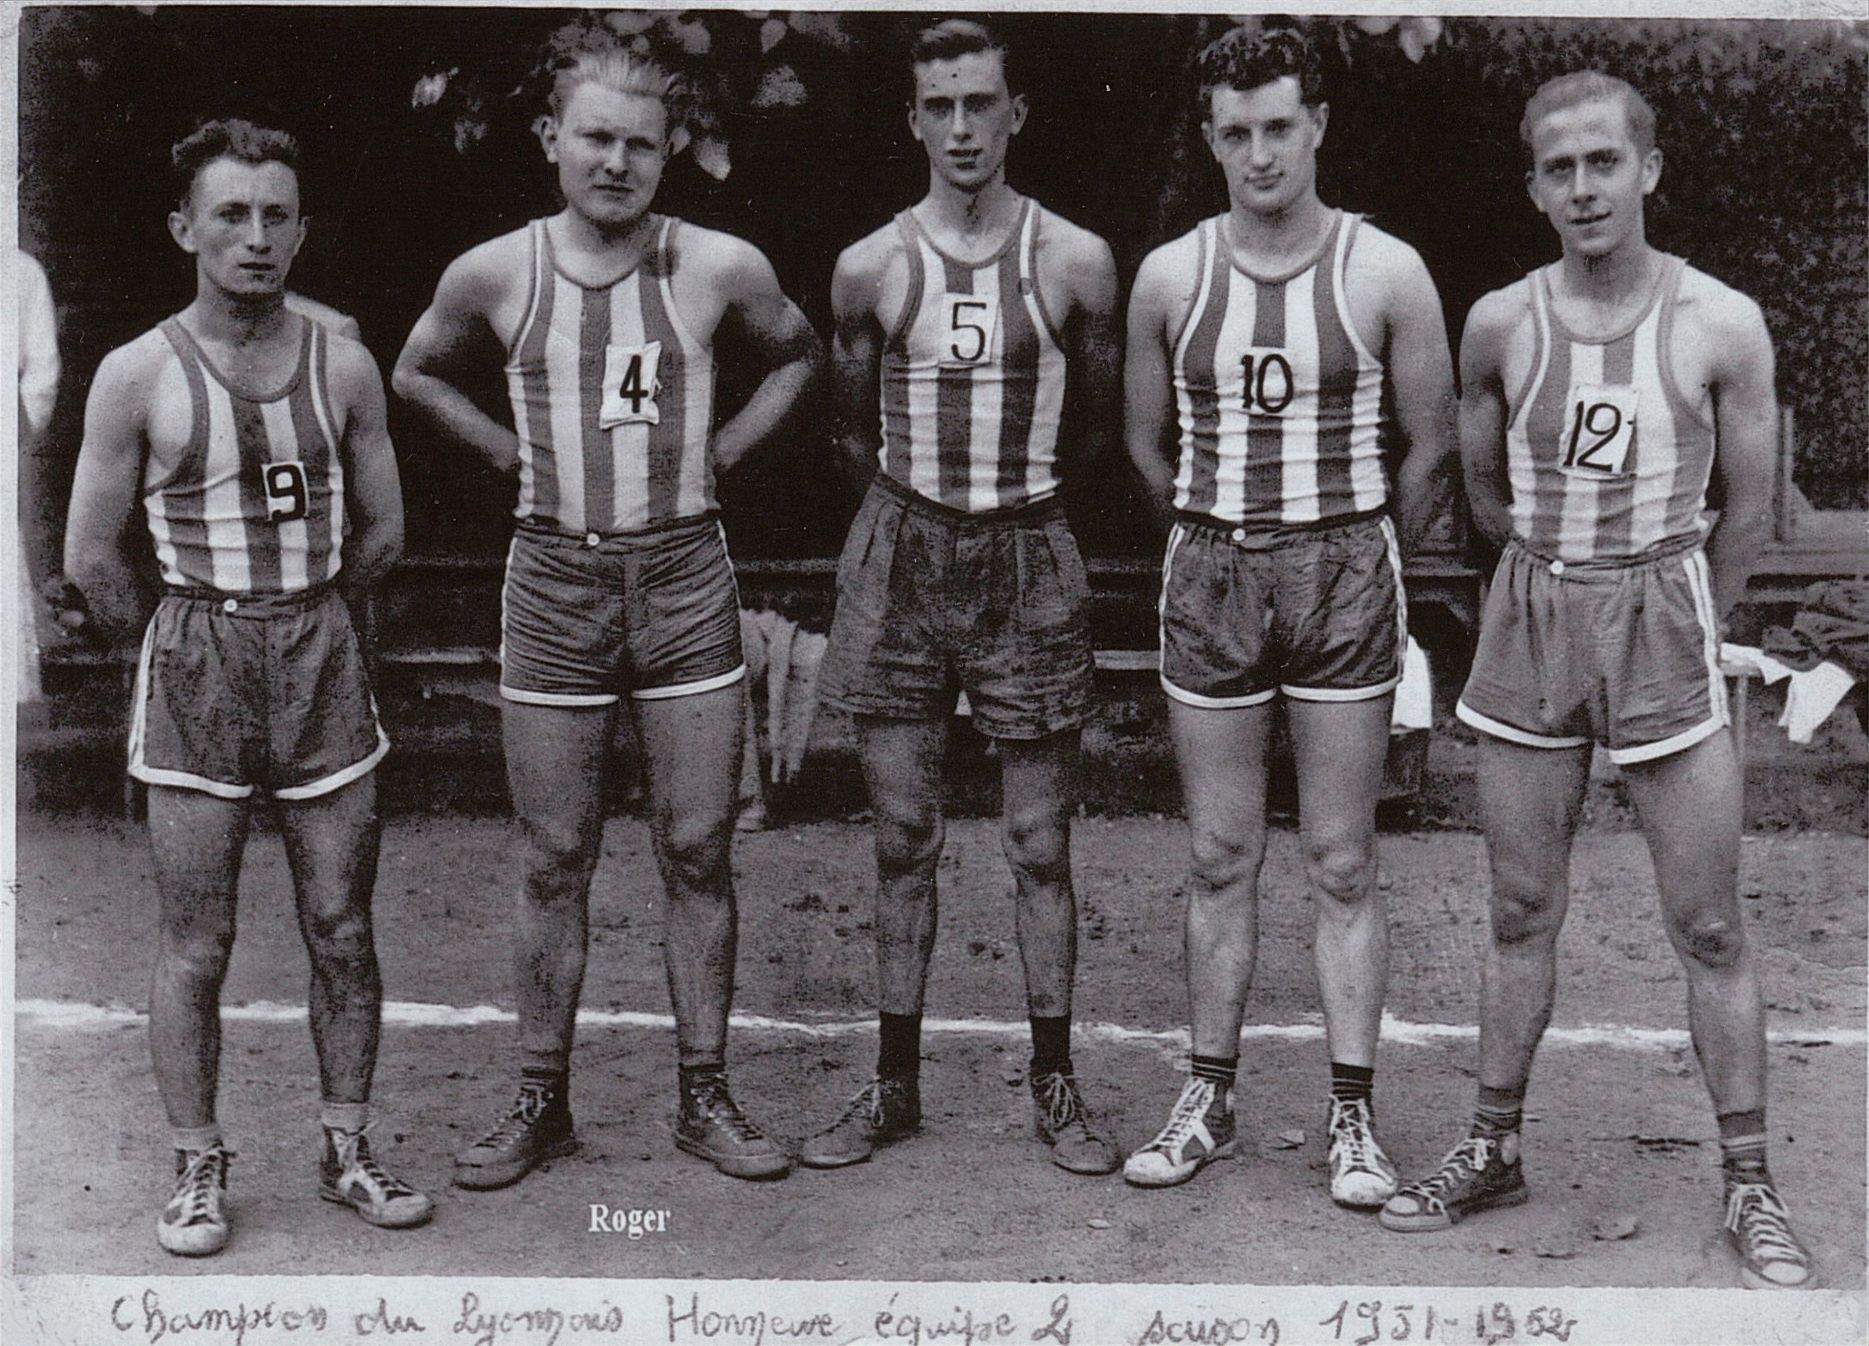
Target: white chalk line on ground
pixel 1403 1032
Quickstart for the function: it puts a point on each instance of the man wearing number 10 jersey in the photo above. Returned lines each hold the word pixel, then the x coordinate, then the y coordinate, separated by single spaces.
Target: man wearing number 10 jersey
pixel 1284 359
pixel 958 325
pixel 256 441
pixel 618 586
pixel 1600 395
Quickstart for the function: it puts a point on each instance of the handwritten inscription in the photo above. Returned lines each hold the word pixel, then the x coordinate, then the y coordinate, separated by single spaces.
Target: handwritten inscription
pixel 1207 1331
pixel 156 1323
pixel 1368 1322
pixel 485 1326
pixel 755 1326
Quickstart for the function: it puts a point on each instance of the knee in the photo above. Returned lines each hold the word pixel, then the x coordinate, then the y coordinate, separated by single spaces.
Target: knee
pixel 1523 921
pixel 1709 939
pixel 1038 845
pixel 907 840
pixel 695 853
pixel 1340 870
pixel 339 937
pixel 197 953
pixel 1223 860
pixel 559 857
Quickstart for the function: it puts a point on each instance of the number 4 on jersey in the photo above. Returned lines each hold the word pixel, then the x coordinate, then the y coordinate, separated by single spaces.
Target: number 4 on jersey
pixel 630 386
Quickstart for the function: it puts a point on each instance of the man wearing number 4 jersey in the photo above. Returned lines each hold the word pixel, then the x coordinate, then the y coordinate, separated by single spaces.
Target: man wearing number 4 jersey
pixel 958 324
pixel 1600 394
pixel 1278 354
pixel 256 441
pixel 618 584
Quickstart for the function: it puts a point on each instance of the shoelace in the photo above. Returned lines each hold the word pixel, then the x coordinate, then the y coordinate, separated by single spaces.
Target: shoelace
pixel 1061 1102
pixel 1187 1113
pixel 1350 1129
pixel 526 1112
pixel 206 1173
pixel 1470 1155
pixel 1769 1231
pixel 359 1157
pixel 718 1106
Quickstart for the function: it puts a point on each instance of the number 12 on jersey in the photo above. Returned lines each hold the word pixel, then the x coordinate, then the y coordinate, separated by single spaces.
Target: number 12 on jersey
pixel 1601 430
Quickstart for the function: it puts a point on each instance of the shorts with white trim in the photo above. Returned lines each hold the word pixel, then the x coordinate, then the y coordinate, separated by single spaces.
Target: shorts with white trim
pixel 1318 612
pixel 586 618
pixel 1622 653
pixel 238 694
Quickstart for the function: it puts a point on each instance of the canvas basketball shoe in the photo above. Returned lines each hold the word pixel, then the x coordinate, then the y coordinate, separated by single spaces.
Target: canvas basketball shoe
pixel 1770 1256
pixel 1473 1177
pixel 1361 1176
pixel 194 1223
pixel 1199 1131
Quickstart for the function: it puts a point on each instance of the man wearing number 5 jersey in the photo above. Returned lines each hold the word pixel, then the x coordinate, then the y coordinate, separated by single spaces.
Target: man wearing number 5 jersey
pixel 1600 394
pixel 958 326
pixel 618 586
pixel 255 439
pixel 1278 355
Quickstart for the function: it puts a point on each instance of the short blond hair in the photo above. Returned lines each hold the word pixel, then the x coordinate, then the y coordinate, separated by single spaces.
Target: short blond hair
pixel 1587 86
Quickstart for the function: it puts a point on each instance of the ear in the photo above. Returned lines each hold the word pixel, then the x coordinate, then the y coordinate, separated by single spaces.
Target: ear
pixel 1531 189
pixel 1207 135
pixel 1320 118
pixel 545 127
pixel 182 231
pixel 1019 108
pixel 915 126
pixel 299 242
pixel 1651 170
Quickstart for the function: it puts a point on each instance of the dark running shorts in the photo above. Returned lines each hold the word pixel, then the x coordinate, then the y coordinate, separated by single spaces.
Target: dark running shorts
pixel 585 619
pixel 1624 654
pixel 1317 613
pixel 237 694
pixel 931 602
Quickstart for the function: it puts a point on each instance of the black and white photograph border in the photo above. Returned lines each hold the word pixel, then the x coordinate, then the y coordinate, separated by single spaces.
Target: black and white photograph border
pixel 797 140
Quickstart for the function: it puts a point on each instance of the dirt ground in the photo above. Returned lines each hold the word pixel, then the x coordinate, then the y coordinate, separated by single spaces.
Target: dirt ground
pixel 1613 1131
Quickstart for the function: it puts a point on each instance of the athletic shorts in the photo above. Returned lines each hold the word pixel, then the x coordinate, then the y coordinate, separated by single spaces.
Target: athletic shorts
pixel 238 694
pixel 932 601
pixel 1317 613
pixel 585 618
pixel 1624 654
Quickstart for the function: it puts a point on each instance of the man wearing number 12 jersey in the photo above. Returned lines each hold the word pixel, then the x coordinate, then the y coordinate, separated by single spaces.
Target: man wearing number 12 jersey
pixel 257 443
pixel 958 325
pixel 618 586
pixel 1600 395
pixel 1278 354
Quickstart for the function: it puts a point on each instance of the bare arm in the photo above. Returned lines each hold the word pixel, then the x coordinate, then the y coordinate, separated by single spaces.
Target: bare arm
pixel 781 338
pixel 1095 350
pixel 1421 376
pixel 453 336
pixel 372 488
pixel 103 492
pixel 1148 388
pixel 1745 413
pixel 1483 420
pixel 856 369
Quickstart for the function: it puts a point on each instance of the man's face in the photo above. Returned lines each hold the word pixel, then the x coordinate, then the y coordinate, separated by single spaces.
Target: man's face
pixel 1265 141
pixel 965 117
pixel 1589 177
pixel 241 223
pixel 610 149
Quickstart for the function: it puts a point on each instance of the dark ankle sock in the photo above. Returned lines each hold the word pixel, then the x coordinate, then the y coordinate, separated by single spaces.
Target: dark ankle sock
pixel 1499 1111
pixel 899 1051
pixel 700 1075
pixel 1742 1145
pixel 1352 1083
pixel 556 1081
pixel 1051 1044
pixel 1222 1070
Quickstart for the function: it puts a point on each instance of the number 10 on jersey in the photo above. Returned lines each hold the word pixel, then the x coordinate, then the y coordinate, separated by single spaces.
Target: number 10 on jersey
pixel 1265 381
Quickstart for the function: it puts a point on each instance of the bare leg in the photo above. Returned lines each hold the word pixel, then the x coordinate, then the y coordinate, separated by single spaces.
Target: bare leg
pixel 691 747
pixel 1039 788
pixel 198 840
pixel 331 846
pixel 1222 758
pixel 902 763
pixel 1530 802
pixel 1339 748
pixel 1689 805
pixel 554 767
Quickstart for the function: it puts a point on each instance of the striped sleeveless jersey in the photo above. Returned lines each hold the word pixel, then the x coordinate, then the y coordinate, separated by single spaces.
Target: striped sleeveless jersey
pixel 973 376
pixel 1606 456
pixel 613 398
pixel 254 503
pixel 1281 406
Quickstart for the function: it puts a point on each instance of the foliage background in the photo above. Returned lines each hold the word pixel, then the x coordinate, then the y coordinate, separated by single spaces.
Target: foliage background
pixel 416 126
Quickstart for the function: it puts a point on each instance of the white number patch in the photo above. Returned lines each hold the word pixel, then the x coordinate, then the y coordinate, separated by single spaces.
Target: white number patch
pixel 969 329
pixel 287 496
pixel 630 386
pixel 1268 386
pixel 1599 431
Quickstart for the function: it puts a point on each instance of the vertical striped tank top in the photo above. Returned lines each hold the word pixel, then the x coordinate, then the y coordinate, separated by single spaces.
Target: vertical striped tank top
pixel 254 502
pixel 1607 457
pixel 973 376
pixel 613 398
pixel 1282 409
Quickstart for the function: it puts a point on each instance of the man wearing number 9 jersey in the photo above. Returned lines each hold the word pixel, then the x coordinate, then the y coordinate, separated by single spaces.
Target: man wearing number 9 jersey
pixel 256 441
pixel 1278 354
pixel 1600 394
pixel 958 324
pixel 618 585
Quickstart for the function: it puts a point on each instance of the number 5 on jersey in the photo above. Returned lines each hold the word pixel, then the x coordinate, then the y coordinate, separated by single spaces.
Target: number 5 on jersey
pixel 1600 432
pixel 630 386
pixel 969 324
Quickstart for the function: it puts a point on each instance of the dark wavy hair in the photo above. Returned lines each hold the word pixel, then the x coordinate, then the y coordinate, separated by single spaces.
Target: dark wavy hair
pixel 952 38
pixel 228 138
pixel 1248 57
